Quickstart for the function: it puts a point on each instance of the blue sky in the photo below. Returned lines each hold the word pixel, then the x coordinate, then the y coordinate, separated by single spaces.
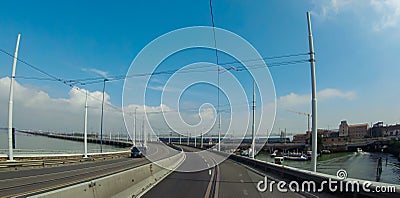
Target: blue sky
pixel 357 46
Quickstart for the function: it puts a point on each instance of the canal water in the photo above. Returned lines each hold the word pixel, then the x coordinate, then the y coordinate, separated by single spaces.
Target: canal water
pixel 30 144
pixel 357 165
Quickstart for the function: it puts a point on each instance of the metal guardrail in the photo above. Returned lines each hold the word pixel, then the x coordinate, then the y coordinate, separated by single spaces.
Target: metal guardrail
pixel 39 163
pixel 59 160
pixel 45 151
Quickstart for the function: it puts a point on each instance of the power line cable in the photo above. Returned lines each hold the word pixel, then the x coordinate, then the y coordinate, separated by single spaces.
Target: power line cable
pixel 89 81
pixel 55 78
pixel 93 80
pixel 73 83
pixel 32 66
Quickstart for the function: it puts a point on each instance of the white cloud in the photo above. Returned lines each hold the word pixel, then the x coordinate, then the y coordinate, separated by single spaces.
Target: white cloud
pixel 382 14
pixel 389 13
pixel 162 88
pixel 329 8
pixel 96 71
pixel 35 109
pixel 335 93
pixel 293 99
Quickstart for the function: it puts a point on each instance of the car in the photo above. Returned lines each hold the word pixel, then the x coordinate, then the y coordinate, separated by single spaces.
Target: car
pixel 136 152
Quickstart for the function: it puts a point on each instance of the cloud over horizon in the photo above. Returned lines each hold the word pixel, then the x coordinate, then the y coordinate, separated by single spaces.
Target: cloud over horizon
pixel 293 99
pixel 382 14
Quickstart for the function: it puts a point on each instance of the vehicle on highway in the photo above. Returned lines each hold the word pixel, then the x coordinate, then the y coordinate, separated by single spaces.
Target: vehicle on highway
pixel 137 152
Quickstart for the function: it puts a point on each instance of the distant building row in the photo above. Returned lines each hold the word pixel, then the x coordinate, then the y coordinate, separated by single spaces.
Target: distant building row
pixel 348 132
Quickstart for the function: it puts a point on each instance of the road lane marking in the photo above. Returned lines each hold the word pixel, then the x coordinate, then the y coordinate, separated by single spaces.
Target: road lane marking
pixel 208 191
pixel 66 171
pixel 57 186
pixel 216 192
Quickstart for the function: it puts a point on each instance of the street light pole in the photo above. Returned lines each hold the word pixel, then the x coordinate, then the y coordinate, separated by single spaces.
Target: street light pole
pixel 253 137
pixel 144 134
pixel 201 142
pixel 85 125
pixel 219 132
pixel 102 115
pixel 134 130
pixel 314 97
pixel 10 104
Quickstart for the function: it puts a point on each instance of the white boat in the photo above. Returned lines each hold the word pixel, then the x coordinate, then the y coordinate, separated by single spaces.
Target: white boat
pixel 359 150
pixel 274 153
pixel 326 151
pixel 296 158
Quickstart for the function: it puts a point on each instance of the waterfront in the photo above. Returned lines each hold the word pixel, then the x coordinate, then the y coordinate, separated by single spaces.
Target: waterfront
pixel 42 145
pixel 357 165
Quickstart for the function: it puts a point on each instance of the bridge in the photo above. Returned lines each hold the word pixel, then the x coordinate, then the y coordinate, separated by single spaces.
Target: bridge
pixel 114 142
pixel 158 175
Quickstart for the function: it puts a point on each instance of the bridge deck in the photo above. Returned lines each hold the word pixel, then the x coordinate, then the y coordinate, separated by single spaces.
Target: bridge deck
pixel 232 180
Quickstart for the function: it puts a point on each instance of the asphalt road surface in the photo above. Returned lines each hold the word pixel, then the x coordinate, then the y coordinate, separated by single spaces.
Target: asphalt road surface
pixel 38 180
pixel 228 179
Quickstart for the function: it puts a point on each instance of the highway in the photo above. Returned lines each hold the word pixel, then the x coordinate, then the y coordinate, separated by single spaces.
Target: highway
pixel 38 180
pixel 228 179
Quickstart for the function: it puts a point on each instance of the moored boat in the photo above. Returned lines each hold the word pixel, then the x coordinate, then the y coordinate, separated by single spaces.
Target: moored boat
pixel 278 160
pixel 296 158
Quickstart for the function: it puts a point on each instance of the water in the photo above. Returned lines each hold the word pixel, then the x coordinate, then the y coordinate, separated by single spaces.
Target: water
pixel 357 165
pixel 42 145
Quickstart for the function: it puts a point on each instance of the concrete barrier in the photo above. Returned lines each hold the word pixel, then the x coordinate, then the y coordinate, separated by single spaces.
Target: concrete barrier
pixel 130 183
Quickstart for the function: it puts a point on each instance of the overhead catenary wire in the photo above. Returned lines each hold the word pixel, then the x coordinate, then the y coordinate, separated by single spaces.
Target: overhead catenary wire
pixel 189 70
pixel 56 78
pixel 32 66
pixel 218 72
pixel 94 80
pixel 73 83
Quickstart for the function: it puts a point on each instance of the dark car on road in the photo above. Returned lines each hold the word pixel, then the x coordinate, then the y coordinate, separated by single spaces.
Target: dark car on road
pixel 135 152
